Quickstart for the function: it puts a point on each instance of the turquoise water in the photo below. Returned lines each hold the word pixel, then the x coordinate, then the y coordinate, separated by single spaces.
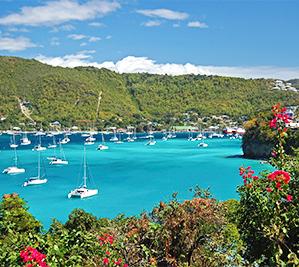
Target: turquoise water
pixel 131 177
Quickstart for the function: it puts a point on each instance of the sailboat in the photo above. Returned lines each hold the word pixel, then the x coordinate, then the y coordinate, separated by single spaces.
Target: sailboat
pixel 151 142
pixel 25 141
pixel 82 191
pixel 39 179
pixel 119 139
pixel 13 143
pixel 85 135
pixel 53 145
pixel 59 160
pixel 114 138
pixel 14 169
pixel 39 147
pixel 164 138
pixel 130 135
pixel 90 140
pixel 134 135
pixel 65 140
pixel 102 146
pixel 202 144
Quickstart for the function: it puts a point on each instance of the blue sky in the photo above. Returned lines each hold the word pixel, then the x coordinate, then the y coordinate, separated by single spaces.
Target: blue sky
pixel 237 38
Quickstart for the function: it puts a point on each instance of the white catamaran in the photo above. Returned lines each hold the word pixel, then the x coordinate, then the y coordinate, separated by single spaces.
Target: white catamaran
pixel 39 147
pixel 53 145
pixel 82 191
pixel 65 140
pixel 59 160
pixel 114 138
pixel 25 140
pixel 39 179
pixel 102 146
pixel 151 142
pixel 13 143
pixel 14 169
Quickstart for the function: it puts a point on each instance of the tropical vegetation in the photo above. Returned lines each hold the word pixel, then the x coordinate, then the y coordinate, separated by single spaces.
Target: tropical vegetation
pixel 71 96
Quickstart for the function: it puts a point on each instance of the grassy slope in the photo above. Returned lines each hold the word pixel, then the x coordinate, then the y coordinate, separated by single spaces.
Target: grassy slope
pixel 70 95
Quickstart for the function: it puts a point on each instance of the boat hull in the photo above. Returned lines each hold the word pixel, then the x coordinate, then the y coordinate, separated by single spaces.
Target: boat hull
pixel 13 170
pixel 82 193
pixel 35 181
pixel 103 147
pixel 59 162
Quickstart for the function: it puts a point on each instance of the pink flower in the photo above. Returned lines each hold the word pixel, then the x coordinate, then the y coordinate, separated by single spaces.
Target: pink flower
pixel 268 189
pixel 289 198
pixel 105 261
pixel 273 123
pixel 278 186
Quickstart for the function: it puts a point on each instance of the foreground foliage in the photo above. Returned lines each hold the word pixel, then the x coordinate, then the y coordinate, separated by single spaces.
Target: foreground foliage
pixel 269 212
pixel 262 229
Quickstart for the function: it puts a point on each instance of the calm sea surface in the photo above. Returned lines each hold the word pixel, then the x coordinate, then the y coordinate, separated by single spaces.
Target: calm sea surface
pixel 131 177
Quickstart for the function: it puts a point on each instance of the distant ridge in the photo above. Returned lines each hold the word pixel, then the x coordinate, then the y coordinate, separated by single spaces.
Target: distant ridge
pixel 71 96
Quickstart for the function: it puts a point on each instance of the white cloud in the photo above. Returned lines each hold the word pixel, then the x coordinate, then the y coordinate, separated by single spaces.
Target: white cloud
pixel 15 29
pixel 163 13
pixel 133 64
pixel 66 27
pixel 176 25
pixel 54 41
pixel 197 24
pixel 96 24
pixel 94 39
pixel 77 36
pixel 60 11
pixel 108 37
pixel 15 44
pixel 152 23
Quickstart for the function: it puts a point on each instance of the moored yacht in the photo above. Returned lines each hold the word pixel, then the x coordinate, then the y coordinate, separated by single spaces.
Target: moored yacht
pixel 14 169
pixel 53 145
pixel 203 144
pixel 114 137
pixel 25 140
pixel 13 143
pixel 39 179
pixel 39 146
pixel 82 191
pixel 65 140
pixel 102 146
pixel 151 142
pixel 59 160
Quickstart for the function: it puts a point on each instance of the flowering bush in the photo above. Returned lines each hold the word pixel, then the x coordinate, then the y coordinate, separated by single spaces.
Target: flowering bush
pixel 32 257
pixel 110 257
pixel 268 216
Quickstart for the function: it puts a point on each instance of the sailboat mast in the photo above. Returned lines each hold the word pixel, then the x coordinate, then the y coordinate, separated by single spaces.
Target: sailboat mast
pixel 38 165
pixel 16 157
pixel 84 166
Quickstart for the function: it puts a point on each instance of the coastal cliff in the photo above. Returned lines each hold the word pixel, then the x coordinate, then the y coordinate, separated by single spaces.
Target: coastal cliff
pixel 256 149
pixel 258 141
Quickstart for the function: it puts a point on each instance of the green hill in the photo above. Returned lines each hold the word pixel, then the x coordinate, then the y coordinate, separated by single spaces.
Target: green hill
pixel 71 95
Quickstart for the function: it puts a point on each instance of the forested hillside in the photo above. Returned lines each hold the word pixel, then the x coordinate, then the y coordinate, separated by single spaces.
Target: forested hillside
pixel 71 95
